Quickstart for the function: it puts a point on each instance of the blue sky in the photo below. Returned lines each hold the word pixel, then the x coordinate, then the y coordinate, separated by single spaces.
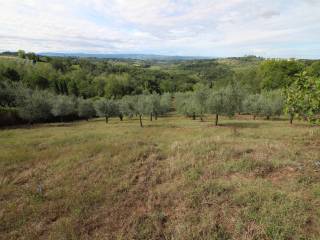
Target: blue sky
pixel 218 28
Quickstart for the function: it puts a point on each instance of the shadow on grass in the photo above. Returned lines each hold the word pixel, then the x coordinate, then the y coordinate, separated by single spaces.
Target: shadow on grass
pixel 150 125
pixel 241 124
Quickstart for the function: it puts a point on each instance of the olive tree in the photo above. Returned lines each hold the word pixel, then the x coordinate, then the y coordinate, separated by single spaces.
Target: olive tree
pixel 251 105
pixel 221 102
pixel 185 104
pixel 153 101
pixel 86 109
pixel 142 106
pixel 118 110
pixel 35 106
pixel 7 94
pixel 271 103
pixel 199 99
pixel 63 106
pixel 265 105
pixel 239 95
pixel 277 102
pixel 127 105
pixel 135 105
pixel 165 103
pixel 106 108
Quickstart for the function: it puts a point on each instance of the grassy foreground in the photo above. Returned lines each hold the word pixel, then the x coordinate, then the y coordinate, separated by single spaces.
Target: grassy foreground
pixel 173 179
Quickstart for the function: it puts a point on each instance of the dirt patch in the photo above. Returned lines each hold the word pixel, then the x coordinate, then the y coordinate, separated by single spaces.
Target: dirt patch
pixel 282 174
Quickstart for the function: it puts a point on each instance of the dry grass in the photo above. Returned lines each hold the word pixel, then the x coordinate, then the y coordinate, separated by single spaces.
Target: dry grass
pixel 173 179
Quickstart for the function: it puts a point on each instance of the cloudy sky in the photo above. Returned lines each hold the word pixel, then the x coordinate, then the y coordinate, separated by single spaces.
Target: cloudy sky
pixel 270 28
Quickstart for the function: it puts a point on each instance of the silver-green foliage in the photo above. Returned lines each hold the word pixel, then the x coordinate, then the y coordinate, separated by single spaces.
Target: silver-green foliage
pixel 106 107
pixel 63 106
pixel 251 105
pixel 86 109
pixel 153 103
pixel 185 103
pixel 127 105
pixel 165 103
pixel 222 102
pixel 143 105
pixel 271 103
pixel 267 104
pixel 35 105
pixel 199 99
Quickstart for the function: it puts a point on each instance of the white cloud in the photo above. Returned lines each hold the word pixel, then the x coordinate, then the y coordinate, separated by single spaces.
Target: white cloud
pixel 288 28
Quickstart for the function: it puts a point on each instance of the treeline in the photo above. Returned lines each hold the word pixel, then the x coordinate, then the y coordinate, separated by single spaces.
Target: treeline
pixel 300 99
pixel 34 106
pixel 228 101
pixel 89 78
pixel 71 81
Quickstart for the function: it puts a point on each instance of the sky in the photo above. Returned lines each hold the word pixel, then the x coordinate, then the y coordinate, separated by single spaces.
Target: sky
pixel 213 28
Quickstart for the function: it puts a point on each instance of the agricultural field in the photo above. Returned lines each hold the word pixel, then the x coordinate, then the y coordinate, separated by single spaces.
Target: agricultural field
pixel 175 178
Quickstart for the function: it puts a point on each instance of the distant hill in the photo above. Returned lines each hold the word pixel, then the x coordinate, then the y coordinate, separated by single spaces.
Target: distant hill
pixel 123 56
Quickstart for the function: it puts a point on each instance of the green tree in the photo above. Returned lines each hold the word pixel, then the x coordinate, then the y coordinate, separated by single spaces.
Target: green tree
pixel 22 54
pixel 222 102
pixel 106 108
pixel 99 85
pixel 35 106
pixel 7 94
pixel 277 74
pixel 127 105
pixel 154 105
pixel 251 105
pixel 303 97
pixel 165 103
pixel 271 103
pixel 314 69
pixel 63 106
pixel 142 107
pixel 200 97
pixel 185 104
pixel 117 85
pixel 86 109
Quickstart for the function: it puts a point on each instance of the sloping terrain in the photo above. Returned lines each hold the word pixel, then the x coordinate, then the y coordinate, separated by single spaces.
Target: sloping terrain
pixel 173 179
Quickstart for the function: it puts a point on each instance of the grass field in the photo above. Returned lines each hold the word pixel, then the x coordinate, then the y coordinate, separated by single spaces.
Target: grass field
pixel 173 179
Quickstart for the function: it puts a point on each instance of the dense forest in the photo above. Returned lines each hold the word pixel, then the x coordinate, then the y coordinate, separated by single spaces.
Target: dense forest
pixel 35 88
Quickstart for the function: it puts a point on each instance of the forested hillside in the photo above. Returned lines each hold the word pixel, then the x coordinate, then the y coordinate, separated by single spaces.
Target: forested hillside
pixel 31 86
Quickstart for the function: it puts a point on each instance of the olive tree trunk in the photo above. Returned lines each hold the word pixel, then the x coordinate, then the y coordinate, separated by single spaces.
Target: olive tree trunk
pixel 217 119
pixel 140 118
